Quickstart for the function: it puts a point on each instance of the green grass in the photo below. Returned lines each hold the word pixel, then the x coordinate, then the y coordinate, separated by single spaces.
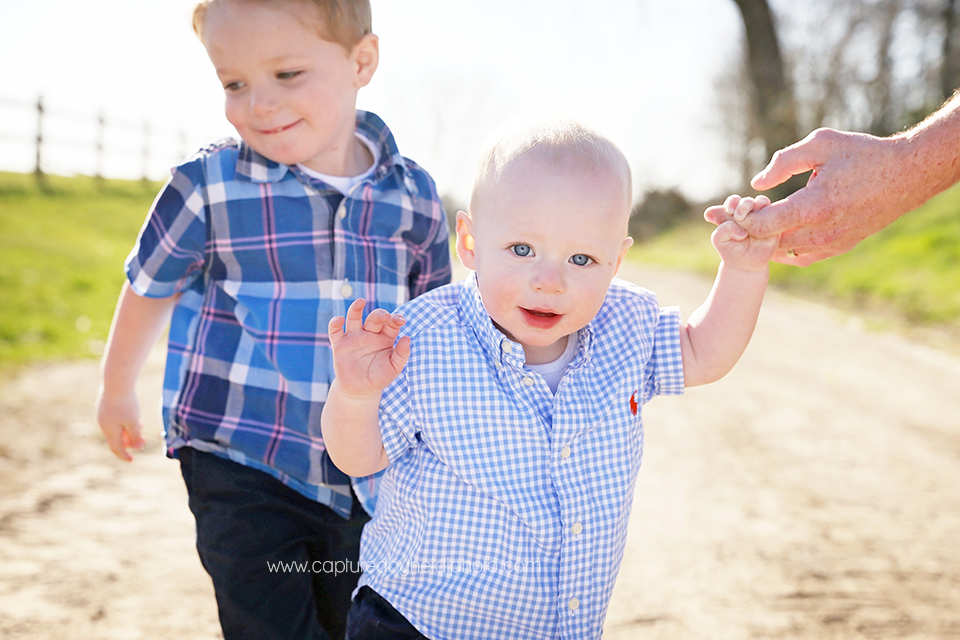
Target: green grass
pixel 910 271
pixel 62 250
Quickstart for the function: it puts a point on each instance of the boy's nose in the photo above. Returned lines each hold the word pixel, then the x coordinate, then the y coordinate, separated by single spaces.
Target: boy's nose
pixel 262 101
pixel 549 279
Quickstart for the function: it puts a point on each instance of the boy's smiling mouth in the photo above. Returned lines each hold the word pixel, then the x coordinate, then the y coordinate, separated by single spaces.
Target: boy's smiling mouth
pixel 279 129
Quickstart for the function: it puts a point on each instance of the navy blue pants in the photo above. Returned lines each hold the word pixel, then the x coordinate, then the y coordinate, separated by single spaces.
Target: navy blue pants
pixel 248 522
pixel 373 618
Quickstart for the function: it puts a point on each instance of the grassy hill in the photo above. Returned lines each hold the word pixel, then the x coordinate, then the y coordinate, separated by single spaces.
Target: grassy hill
pixel 61 262
pixel 908 274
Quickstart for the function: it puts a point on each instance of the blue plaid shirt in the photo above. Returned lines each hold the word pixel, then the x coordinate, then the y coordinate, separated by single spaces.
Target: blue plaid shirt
pixel 503 513
pixel 264 256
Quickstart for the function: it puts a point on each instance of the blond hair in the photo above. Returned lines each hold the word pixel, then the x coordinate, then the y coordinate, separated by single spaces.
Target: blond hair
pixel 557 141
pixel 344 22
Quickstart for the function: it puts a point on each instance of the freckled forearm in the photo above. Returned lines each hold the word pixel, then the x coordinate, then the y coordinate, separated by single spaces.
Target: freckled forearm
pixel 929 154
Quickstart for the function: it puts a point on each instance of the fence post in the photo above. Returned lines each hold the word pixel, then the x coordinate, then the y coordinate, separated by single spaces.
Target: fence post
pixel 101 135
pixel 38 171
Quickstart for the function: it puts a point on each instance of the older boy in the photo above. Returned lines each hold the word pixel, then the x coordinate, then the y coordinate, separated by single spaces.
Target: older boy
pixel 512 435
pixel 255 244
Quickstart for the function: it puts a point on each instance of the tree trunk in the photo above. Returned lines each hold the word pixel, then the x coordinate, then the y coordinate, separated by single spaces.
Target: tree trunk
pixel 773 99
pixel 950 64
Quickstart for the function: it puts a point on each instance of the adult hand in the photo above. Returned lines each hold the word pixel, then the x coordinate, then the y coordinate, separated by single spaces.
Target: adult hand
pixel 855 190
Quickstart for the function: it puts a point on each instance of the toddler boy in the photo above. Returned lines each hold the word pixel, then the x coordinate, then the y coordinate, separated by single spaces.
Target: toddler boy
pixel 512 432
pixel 253 245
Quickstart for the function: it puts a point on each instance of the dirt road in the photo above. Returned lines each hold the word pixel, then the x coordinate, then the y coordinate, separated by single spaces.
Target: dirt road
pixel 813 493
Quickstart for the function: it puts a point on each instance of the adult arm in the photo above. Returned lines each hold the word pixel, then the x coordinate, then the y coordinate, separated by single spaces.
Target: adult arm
pixel 137 324
pixel 859 185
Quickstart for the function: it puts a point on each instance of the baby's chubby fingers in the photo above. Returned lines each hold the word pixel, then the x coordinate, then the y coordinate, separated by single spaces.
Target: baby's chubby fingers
pixel 354 319
pixel 382 321
pixel 729 231
pixel 748 205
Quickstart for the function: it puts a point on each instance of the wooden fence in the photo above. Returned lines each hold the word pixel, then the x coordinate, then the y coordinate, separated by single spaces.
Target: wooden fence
pixel 60 141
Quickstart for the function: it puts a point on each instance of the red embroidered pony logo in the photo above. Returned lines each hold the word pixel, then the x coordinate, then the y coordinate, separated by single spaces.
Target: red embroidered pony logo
pixel 633 403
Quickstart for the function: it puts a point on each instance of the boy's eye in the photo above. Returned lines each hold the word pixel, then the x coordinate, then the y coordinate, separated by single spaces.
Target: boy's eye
pixel 581 260
pixel 288 75
pixel 522 250
pixel 233 86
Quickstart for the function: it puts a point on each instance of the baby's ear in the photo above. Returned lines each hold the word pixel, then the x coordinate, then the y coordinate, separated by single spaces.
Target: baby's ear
pixel 627 243
pixel 465 240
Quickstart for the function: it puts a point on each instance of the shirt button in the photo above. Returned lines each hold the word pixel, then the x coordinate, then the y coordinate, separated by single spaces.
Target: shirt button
pixel 527 381
pixel 576 528
pixel 346 290
pixel 565 453
pixel 342 212
pixel 573 604
pixel 507 347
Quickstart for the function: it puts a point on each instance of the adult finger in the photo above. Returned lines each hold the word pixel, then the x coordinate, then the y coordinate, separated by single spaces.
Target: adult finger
pixel 798 158
pixel 776 218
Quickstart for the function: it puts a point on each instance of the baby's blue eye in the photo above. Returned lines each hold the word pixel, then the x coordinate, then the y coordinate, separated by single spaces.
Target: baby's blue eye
pixel 581 260
pixel 522 250
pixel 287 75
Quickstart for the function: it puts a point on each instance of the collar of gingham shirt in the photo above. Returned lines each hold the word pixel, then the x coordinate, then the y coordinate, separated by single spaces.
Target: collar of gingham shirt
pixel 503 513
pixel 263 256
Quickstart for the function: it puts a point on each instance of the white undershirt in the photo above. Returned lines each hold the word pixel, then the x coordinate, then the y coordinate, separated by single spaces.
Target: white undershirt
pixel 553 372
pixel 343 184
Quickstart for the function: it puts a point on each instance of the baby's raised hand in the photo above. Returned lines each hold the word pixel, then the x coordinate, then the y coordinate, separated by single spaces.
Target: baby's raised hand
pixel 365 359
pixel 736 247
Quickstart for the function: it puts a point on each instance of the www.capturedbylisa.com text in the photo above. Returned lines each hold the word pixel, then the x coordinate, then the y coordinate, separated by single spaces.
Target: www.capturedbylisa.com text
pixel 337 567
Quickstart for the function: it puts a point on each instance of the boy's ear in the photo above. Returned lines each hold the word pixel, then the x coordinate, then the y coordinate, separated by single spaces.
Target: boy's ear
pixel 465 240
pixel 627 243
pixel 366 55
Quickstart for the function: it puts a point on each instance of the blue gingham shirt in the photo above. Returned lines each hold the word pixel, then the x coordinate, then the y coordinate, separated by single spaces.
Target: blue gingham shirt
pixel 264 255
pixel 503 512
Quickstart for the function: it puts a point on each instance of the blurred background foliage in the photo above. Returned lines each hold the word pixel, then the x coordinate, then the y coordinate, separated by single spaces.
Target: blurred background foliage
pixel 868 65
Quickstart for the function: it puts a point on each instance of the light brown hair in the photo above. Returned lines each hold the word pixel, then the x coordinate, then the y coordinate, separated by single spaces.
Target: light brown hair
pixel 342 21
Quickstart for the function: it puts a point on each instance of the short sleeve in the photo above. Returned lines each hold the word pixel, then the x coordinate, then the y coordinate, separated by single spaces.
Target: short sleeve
pixel 397 423
pixel 665 368
pixel 169 254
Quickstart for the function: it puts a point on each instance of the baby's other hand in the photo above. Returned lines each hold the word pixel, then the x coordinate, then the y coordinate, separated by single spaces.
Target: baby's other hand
pixel 736 247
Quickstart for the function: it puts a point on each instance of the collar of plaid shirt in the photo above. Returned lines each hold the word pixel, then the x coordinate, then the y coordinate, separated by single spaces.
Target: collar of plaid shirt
pixel 256 168
pixel 503 511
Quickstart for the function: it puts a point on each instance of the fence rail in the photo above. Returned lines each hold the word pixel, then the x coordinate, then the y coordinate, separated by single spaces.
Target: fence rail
pixel 62 141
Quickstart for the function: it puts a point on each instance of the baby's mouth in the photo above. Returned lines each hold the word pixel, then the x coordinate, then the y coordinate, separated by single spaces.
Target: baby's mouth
pixel 541 318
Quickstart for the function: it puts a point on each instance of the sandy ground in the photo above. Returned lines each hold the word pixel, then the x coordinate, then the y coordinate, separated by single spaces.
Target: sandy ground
pixel 813 493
